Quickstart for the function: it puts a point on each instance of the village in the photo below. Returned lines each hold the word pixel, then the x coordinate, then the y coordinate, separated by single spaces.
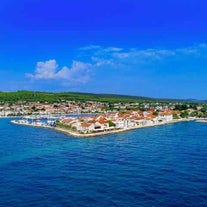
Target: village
pixel 83 107
pixel 111 121
pixel 57 108
pixel 91 117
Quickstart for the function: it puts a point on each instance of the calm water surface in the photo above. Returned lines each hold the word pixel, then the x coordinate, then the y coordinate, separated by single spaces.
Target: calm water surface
pixel 160 166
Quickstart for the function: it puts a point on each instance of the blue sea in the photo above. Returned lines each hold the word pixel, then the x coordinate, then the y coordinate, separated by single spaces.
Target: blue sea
pixel 152 167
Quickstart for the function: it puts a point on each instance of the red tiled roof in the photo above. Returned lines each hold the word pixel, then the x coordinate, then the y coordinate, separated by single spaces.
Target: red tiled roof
pixel 102 121
pixel 85 124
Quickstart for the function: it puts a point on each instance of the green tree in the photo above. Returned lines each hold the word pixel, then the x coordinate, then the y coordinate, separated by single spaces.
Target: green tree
pixel 184 114
pixel 111 123
pixel 155 113
pixel 175 116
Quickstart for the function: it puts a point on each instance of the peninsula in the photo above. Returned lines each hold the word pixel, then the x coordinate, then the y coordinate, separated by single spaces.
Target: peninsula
pixel 97 113
pixel 112 122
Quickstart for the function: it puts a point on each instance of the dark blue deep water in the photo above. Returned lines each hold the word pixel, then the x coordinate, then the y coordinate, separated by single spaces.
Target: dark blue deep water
pixel 159 166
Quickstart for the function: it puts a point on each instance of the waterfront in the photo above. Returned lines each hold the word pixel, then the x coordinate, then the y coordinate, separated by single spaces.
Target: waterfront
pixel 158 166
pixel 96 125
pixel 69 132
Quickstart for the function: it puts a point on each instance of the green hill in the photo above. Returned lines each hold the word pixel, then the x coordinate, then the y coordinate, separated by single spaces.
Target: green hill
pixel 31 96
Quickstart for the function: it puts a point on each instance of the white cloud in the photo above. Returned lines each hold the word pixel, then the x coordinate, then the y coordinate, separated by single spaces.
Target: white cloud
pixel 113 49
pixel 79 72
pixel 91 47
pixel 112 55
pixel 112 58
pixel 100 48
pixel 99 61
pixel 152 54
pixel 45 70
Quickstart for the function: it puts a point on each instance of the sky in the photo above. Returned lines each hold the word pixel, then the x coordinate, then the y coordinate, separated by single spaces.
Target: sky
pixel 153 48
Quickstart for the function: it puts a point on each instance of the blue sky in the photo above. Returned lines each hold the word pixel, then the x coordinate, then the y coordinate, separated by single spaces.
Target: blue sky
pixel 151 48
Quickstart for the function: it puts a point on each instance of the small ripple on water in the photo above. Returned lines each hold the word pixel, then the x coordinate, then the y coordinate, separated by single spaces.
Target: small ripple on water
pixel 160 166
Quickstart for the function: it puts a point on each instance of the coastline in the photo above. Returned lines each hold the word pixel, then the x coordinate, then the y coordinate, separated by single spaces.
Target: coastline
pixel 75 134
pixel 201 120
pixel 78 135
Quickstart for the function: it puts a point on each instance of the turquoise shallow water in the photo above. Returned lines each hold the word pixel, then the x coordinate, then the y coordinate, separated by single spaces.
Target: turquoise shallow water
pixel 159 166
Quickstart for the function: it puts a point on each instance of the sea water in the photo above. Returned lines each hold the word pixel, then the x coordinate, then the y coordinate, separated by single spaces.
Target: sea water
pixel 158 166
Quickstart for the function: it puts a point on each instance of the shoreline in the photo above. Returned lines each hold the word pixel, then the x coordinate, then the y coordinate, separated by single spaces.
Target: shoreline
pixel 46 115
pixel 201 120
pixel 78 135
pixel 65 131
